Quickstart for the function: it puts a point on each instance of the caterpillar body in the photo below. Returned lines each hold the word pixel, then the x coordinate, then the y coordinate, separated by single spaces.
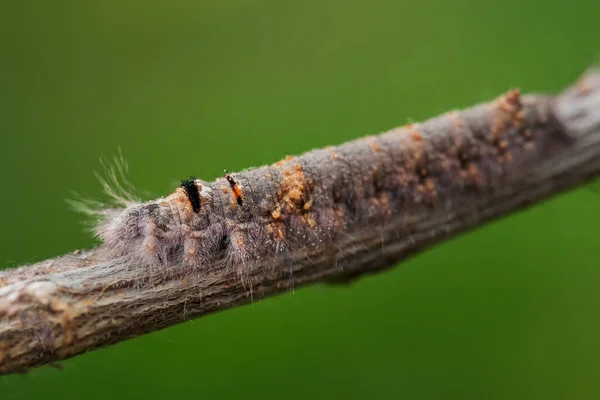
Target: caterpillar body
pixel 326 198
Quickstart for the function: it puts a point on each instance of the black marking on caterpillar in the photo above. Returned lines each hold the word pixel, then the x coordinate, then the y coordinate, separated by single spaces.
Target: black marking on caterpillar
pixel 191 189
pixel 234 187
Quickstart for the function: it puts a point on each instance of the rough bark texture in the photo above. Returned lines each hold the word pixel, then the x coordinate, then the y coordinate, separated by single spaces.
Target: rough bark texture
pixel 329 215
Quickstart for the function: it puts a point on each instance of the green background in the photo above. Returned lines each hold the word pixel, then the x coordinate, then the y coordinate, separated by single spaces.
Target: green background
pixel 183 87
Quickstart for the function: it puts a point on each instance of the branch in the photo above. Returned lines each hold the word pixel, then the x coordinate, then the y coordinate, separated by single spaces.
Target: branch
pixel 330 215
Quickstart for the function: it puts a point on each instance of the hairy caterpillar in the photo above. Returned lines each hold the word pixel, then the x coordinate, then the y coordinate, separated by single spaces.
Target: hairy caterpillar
pixel 314 202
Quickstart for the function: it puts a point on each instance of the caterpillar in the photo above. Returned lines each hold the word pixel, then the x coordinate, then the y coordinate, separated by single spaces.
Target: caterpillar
pixel 314 202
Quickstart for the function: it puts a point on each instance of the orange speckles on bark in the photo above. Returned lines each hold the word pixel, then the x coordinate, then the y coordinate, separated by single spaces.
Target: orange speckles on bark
pixel 456 120
pixel 307 205
pixel 427 192
pixel 240 241
pixel 382 204
pixel 375 201
pixel 276 231
pixel 416 136
pixel 279 233
pixel 338 219
pixel 510 103
pixel 430 185
pixel 502 144
pixel 295 195
pixel 476 176
pixel 332 153
pixel 373 144
pixel 309 221
pixel 421 191
pixel 519 117
pixel 509 114
pixel 431 190
pixel 276 214
pixel 292 191
pixel 224 189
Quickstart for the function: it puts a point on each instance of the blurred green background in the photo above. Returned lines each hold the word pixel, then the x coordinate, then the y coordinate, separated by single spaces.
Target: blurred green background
pixel 184 87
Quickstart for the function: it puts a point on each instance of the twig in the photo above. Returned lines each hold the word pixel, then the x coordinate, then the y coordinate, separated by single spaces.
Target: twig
pixel 329 215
